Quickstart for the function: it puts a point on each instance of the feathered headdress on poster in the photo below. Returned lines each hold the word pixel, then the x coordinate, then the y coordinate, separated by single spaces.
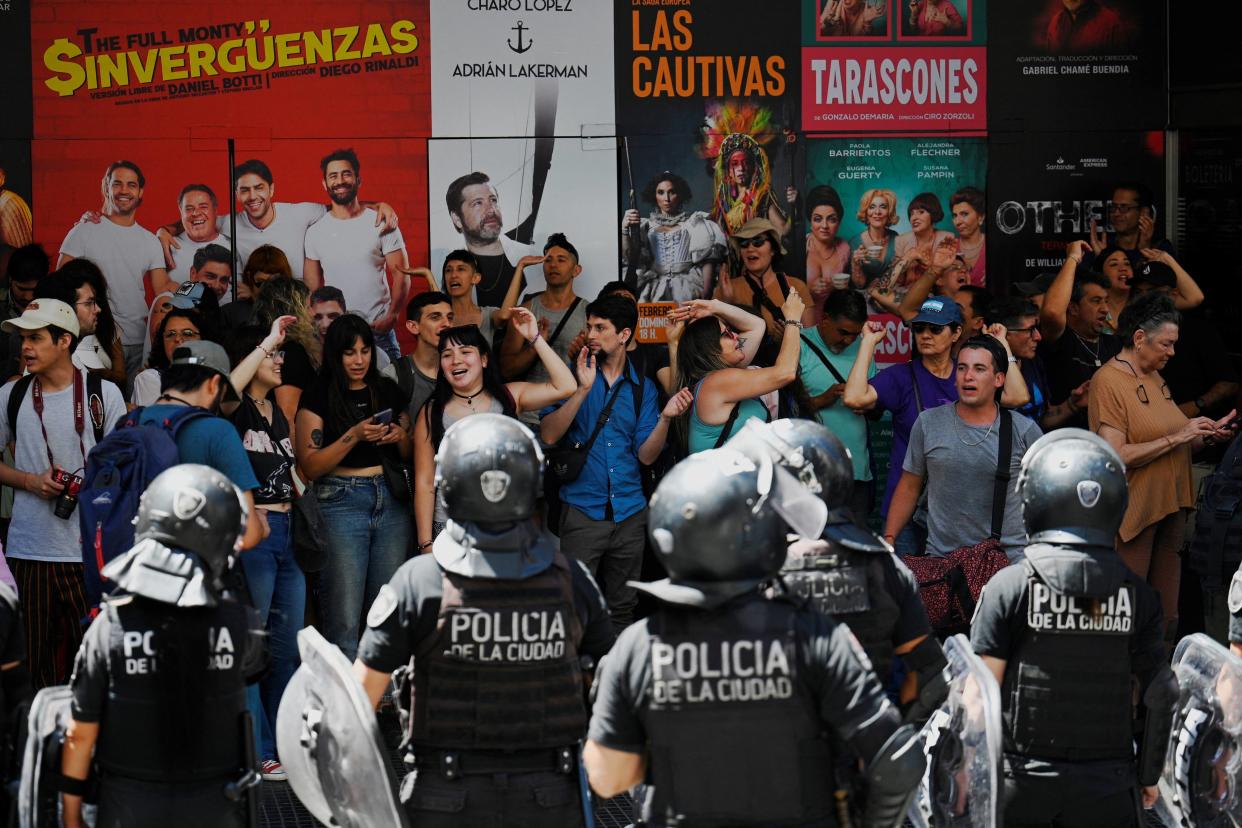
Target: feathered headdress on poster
pixel 728 128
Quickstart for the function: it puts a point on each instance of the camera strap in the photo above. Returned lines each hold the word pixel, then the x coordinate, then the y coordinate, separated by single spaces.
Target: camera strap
pixel 79 412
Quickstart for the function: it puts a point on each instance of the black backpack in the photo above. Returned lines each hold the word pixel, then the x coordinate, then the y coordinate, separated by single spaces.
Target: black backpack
pixel 1216 547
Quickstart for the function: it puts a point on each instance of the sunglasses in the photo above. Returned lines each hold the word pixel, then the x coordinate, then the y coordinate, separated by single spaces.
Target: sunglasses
pixel 925 327
pixel 757 241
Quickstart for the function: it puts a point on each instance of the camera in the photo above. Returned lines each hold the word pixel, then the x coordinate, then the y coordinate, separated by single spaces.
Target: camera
pixel 68 499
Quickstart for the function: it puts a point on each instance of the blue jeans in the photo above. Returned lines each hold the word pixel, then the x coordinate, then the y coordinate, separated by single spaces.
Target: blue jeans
pixel 368 538
pixel 278 589
pixel 388 343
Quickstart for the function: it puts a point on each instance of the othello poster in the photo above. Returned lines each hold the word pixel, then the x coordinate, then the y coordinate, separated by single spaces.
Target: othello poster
pixel 707 104
pixel 1076 65
pixel 893 66
pixel 877 182
pixel 1046 189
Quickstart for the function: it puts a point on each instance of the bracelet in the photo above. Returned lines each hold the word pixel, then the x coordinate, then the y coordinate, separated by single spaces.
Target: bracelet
pixel 532 342
pixel 1077 259
pixel 423 546
pixel 265 351
pixel 793 322
pixel 1013 360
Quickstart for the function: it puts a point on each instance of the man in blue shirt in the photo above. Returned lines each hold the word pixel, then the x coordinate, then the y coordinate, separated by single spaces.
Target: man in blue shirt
pixel 604 520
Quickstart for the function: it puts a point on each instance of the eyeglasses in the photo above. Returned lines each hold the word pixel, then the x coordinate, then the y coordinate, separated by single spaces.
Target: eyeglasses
pixel 728 333
pixel 89 303
pixel 1141 393
pixel 1122 208
pixel 923 327
pixel 1029 331
pixel 757 241
pixel 183 334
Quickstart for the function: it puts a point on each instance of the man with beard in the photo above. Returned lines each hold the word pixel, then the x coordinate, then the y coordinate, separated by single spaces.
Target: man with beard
pixel 128 254
pixel 1074 309
pixel 615 415
pixel 474 208
pixel 346 248
pixel 427 316
pixel 198 207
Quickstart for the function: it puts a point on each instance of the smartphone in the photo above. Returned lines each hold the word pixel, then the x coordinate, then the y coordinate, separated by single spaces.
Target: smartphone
pixel 382 417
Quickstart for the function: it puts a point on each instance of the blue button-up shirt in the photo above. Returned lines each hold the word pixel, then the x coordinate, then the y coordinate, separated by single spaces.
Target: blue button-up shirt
pixel 612 471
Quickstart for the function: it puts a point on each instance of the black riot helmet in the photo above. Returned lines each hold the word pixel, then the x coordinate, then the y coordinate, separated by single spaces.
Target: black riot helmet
pixel 718 522
pixel 1073 489
pixel 489 470
pixel 821 464
pixel 193 508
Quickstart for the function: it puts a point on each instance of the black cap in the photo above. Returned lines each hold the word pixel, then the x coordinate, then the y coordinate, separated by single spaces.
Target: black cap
pixel 1156 274
pixel 1037 286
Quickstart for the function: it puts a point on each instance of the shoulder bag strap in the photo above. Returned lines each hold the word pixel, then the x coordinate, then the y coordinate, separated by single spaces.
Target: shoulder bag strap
pixel 1000 488
pixel 561 325
pixel 759 296
pixel 824 359
pixel 914 383
pixel 603 417
pixel 20 388
pixel 728 424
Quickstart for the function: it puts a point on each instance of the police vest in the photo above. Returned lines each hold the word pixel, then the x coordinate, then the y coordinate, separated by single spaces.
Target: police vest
pixel 176 691
pixel 734 734
pixel 850 587
pixel 1067 689
pixel 501 670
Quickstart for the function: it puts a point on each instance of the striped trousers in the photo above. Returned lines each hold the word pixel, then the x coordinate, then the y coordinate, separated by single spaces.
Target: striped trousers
pixel 54 603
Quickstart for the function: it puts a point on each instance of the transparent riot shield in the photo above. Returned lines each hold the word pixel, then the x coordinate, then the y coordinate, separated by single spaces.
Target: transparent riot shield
pixel 330 744
pixel 38 799
pixel 1199 785
pixel 963 743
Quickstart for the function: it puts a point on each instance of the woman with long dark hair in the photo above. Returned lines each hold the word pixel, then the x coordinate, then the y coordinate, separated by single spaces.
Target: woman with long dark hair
pixel 469 383
pixel 303 353
pixel 178 326
pixel 353 438
pixel 711 362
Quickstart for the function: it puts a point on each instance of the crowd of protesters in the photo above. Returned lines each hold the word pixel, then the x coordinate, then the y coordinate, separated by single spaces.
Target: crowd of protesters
pixel 320 401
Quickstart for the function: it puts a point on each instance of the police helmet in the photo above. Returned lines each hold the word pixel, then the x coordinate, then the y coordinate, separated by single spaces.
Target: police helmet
pixel 193 508
pixel 489 470
pixel 1073 489
pixel 713 524
pixel 821 464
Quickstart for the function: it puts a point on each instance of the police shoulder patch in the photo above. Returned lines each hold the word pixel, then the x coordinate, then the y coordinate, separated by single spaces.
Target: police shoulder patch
pixel 1235 593
pixel 385 602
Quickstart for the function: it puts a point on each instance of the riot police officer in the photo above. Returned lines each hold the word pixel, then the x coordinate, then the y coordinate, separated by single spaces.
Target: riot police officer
pixel 848 573
pixel 493 625
pixel 723 699
pixel 159 682
pixel 1066 633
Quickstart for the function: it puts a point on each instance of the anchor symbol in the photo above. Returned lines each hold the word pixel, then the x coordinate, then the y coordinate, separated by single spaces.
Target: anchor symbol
pixel 520 48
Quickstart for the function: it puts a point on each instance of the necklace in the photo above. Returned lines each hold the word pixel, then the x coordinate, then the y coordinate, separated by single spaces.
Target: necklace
pixel 1095 354
pixel 257 401
pixel 957 429
pixel 973 249
pixel 469 398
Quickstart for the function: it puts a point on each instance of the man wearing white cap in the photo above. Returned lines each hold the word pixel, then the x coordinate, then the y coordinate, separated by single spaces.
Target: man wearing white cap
pixel 61 415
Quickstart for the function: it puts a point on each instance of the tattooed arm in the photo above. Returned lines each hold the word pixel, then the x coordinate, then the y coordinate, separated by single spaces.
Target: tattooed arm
pixel 314 458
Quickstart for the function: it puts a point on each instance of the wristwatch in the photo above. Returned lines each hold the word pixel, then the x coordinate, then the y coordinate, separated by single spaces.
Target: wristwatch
pixel 1200 404
pixel 1013 360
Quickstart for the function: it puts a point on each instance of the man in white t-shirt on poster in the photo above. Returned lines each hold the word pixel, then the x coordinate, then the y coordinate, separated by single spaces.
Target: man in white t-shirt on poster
pixel 128 254
pixel 199 217
pixel 263 220
pixel 346 248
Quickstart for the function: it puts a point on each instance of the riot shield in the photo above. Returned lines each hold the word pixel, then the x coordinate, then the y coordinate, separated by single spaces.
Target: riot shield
pixel 38 800
pixel 1199 785
pixel 330 743
pixel 963 742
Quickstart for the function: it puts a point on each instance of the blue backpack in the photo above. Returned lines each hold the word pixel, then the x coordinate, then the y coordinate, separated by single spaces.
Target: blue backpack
pixel 118 470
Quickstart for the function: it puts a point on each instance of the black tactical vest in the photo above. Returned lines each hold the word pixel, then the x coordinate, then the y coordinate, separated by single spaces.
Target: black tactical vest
pixel 850 587
pixel 168 718
pixel 501 670
pixel 734 736
pixel 1067 690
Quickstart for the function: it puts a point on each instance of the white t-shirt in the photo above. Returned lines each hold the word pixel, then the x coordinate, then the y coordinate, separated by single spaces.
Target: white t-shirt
pixel 183 257
pixel 286 232
pixel 36 534
pixel 351 253
pixel 125 254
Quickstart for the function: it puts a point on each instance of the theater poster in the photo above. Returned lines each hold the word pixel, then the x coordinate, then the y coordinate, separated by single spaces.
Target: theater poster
pixel 166 86
pixel 707 100
pixel 1045 190
pixel 1073 65
pixel 894 66
pixel 875 182
pixel 522 93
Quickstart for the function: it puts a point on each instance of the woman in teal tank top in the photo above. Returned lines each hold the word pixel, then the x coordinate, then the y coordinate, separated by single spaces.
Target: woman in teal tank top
pixel 711 359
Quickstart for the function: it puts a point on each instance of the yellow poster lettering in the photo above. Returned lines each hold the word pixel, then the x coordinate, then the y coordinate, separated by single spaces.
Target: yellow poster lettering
pixel 144 68
pixel 113 71
pixel 318 46
pixel 287 46
pixel 224 56
pixel 201 57
pixel 69 75
pixel 172 64
pixel 376 43
pixel 344 48
pixel 404 40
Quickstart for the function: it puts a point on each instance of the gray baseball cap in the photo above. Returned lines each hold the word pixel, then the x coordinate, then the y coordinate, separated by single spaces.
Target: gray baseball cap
pixel 209 355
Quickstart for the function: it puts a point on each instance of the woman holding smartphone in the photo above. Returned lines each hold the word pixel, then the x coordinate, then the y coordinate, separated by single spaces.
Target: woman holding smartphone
pixel 348 427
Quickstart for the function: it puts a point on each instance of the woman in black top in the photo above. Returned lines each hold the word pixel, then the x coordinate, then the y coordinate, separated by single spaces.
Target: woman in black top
pixel 345 448
pixel 277 585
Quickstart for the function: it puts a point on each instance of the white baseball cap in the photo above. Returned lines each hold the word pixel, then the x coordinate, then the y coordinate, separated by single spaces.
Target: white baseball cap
pixel 43 312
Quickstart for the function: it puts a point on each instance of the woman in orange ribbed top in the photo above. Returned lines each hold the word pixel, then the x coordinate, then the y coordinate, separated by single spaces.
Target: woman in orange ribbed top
pixel 1130 406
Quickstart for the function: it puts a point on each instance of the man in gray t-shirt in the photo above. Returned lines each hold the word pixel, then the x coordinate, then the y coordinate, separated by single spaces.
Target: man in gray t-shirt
pixel 953 450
